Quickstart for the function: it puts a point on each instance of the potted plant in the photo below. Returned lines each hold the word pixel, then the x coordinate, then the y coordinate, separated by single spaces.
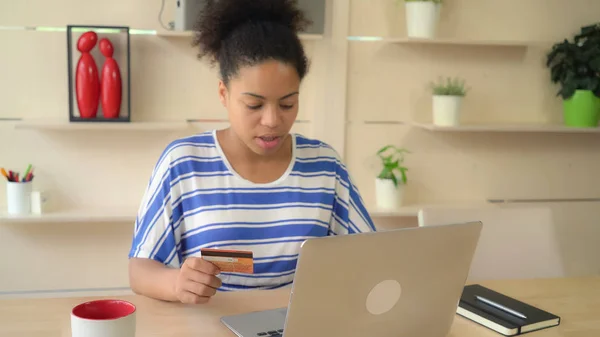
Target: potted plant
pixel 447 101
pixel 390 183
pixel 422 18
pixel 575 66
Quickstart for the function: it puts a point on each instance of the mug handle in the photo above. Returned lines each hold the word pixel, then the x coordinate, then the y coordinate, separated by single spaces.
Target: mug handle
pixel 37 200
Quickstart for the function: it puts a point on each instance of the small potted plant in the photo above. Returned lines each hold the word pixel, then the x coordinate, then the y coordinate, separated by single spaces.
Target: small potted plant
pixel 390 183
pixel 447 101
pixel 575 66
pixel 422 18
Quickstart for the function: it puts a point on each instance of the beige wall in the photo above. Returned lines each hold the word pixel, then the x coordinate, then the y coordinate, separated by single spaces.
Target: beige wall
pixel 350 82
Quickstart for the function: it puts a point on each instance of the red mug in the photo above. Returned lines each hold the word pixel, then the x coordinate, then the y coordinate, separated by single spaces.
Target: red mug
pixel 103 318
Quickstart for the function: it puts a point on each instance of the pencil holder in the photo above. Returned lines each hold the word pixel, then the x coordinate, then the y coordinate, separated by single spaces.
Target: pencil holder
pixel 18 198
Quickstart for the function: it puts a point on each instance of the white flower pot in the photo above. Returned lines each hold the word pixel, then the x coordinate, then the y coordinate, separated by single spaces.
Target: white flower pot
pixel 387 195
pixel 422 19
pixel 446 110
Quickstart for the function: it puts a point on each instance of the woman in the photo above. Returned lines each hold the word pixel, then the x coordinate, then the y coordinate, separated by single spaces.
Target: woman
pixel 253 186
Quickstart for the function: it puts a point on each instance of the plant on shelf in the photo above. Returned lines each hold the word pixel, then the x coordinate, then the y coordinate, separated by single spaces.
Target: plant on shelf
pixel 448 94
pixel 575 66
pixel 391 180
pixel 422 18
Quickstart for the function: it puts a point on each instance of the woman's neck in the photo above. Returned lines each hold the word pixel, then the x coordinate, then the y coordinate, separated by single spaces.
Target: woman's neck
pixel 251 166
pixel 234 147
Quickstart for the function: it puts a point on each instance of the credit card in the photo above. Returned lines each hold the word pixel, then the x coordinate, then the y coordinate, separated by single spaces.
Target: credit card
pixel 230 261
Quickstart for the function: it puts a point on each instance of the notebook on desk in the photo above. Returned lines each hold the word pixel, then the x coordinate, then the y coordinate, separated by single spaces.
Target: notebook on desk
pixel 501 313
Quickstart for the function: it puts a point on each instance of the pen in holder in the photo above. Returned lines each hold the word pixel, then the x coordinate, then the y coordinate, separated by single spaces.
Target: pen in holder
pixel 18 197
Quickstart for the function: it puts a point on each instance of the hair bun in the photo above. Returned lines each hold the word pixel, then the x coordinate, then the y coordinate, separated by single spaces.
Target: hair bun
pixel 220 18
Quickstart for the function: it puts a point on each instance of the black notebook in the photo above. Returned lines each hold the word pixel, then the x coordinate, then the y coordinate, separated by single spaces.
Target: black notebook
pixel 501 313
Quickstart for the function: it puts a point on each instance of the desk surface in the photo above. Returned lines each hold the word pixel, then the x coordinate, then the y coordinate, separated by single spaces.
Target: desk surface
pixel 577 301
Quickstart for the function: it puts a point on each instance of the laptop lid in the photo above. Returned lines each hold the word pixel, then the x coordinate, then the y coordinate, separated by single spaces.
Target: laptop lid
pixel 403 282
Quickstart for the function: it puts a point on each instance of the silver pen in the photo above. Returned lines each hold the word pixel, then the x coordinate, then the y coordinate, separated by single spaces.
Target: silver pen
pixel 501 307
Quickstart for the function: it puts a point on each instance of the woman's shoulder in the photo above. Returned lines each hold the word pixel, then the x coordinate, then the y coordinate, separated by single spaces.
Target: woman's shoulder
pixel 201 144
pixel 199 147
pixel 317 153
pixel 310 147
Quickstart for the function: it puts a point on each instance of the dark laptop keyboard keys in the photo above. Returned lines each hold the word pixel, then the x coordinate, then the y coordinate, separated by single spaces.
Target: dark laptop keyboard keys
pixel 271 333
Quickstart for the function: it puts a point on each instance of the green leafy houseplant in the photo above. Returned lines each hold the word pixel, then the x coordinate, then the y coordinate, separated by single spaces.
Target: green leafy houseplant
pixel 392 159
pixel 449 87
pixel 575 65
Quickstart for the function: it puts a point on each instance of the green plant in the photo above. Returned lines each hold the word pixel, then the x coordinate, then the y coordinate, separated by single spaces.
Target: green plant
pixel 449 87
pixel 392 159
pixel 576 65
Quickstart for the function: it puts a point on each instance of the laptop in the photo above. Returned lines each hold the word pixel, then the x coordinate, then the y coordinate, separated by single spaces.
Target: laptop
pixel 400 283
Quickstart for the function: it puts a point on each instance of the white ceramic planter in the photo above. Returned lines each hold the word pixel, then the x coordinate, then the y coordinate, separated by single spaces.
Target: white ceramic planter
pixel 446 110
pixel 422 19
pixel 387 195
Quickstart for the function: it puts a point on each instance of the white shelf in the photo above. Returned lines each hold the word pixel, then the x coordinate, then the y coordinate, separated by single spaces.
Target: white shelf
pixel 506 128
pixel 443 41
pixel 129 214
pixel 90 126
pixel 405 211
pixel 175 34
pixel 77 215
pixel 482 43
pixel 413 210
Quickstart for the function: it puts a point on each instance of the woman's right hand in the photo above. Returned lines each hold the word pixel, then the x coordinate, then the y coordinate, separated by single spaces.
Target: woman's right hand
pixel 197 281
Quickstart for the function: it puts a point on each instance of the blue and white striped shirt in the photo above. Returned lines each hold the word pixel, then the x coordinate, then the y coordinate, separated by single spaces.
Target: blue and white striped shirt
pixel 196 200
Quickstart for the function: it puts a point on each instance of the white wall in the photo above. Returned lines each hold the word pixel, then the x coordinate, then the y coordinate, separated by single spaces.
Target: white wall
pixel 350 83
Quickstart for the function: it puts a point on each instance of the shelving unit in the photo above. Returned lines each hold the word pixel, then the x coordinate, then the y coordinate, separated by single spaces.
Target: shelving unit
pixel 405 211
pixel 128 214
pixel 177 34
pixel 59 125
pixel 75 215
pixel 442 41
pixel 507 128
pixel 375 122
pixel 413 210
pixel 486 128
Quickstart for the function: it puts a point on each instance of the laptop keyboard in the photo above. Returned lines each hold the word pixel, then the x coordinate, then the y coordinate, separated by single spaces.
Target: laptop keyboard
pixel 271 333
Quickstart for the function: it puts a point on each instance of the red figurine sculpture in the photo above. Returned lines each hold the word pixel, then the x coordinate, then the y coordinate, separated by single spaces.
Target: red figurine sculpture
pixel 87 84
pixel 110 82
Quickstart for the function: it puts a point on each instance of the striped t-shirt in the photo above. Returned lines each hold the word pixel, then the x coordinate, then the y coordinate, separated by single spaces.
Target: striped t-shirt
pixel 196 200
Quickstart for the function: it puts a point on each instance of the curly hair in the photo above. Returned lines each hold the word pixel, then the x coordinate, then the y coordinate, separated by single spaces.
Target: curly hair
pixel 238 33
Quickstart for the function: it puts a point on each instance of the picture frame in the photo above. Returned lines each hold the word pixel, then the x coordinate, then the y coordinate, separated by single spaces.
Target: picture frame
pixel 107 98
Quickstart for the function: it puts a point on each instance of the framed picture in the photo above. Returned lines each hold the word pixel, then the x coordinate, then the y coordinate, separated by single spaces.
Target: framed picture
pixel 99 73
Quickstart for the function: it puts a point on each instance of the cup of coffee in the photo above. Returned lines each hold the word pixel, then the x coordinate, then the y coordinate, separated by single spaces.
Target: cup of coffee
pixel 103 318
